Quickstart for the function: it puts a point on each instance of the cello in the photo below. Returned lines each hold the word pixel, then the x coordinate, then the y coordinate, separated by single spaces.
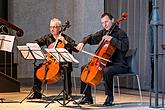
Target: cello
pixel 93 71
pixel 50 72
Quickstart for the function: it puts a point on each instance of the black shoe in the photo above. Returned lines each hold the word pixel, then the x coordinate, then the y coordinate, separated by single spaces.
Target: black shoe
pixel 36 95
pixel 108 101
pixel 85 100
pixel 67 97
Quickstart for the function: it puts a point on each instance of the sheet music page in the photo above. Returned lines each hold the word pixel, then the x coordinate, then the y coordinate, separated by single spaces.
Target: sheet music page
pixel 33 46
pixel 36 50
pixel 25 52
pixel 55 54
pixel 6 42
pixel 68 57
pixel 61 53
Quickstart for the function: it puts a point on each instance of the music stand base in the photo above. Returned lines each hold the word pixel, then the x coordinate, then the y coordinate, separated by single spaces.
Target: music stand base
pixel 64 99
pixel 32 91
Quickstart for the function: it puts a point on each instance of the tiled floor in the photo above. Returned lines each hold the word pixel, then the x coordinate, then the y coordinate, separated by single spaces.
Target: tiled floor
pixel 11 101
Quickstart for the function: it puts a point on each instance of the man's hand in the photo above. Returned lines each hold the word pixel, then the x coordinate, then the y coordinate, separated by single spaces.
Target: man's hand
pixel 80 46
pixel 107 38
pixel 62 39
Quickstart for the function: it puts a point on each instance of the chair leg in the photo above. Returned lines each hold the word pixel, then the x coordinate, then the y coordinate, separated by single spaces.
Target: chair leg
pixel 46 88
pixel 74 81
pixel 94 95
pixel 118 84
pixel 141 99
pixel 113 86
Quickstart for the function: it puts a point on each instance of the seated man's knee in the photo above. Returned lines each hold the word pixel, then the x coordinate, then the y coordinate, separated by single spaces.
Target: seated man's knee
pixel 107 73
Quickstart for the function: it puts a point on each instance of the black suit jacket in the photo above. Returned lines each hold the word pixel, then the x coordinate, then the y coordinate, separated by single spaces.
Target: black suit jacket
pixel 119 41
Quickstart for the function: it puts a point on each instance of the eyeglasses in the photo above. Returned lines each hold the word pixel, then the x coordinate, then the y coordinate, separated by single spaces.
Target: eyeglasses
pixel 52 27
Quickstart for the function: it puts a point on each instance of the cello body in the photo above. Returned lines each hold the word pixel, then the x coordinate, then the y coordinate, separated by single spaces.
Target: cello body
pixel 50 71
pixel 93 72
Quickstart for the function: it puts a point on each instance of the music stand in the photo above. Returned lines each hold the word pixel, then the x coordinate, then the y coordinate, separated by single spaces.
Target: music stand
pixel 31 51
pixel 6 44
pixel 62 56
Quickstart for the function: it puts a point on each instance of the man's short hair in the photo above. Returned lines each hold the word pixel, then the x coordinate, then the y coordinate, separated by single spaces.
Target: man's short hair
pixel 55 20
pixel 107 14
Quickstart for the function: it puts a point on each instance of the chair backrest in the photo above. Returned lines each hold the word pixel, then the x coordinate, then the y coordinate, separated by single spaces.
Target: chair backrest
pixel 131 60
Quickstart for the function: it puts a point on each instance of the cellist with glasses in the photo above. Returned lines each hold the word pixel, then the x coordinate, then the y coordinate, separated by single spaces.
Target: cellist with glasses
pixel 54 39
pixel 119 40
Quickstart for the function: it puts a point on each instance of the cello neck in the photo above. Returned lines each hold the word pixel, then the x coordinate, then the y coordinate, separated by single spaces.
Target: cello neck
pixel 56 42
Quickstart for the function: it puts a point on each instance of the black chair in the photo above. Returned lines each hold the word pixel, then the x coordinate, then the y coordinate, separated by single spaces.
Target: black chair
pixel 131 60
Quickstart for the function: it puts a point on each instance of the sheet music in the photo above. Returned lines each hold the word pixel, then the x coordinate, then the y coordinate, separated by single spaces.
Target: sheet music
pixel 25 52
pixel 33 46
pixel 35 50
pixel 54 53
pixel 67 55
pixel 6 42
pixel 60 53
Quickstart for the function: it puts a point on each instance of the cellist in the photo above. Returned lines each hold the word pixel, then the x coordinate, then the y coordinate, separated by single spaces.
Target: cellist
pixel 118 38
pixel 48 41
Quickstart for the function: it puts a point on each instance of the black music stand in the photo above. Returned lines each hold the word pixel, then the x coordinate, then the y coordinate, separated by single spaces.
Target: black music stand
pixel 6 44
pixel 62 56
pixel 32 51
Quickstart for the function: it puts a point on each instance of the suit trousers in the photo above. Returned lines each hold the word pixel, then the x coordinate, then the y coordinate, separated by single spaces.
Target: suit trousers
pixel 108 74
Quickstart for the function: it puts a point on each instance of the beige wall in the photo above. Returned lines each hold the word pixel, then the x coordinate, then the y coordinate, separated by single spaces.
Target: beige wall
pixel 33 17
